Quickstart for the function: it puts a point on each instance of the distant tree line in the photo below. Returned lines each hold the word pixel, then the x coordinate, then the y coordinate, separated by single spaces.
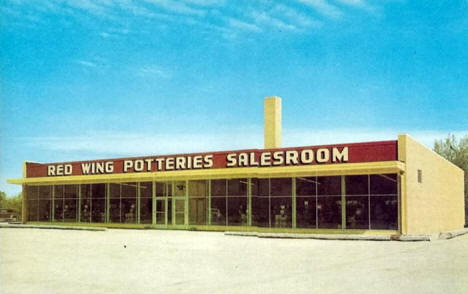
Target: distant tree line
pixel 456 151
pixel 14 202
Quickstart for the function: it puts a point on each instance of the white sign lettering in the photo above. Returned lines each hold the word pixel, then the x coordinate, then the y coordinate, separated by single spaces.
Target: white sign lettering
pixel 184 162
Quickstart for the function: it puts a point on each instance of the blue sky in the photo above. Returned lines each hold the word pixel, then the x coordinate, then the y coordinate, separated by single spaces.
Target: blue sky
pixel 100 79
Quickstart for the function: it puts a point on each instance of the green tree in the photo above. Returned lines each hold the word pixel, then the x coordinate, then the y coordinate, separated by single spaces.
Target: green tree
pixel 14 202
pixel 2 198
pixel 456 151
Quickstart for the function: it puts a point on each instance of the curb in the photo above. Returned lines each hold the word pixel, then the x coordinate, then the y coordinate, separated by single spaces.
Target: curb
pixel 311 236
pixel 16 226
pixel 402 238
pixel 453 234
pixel 412 238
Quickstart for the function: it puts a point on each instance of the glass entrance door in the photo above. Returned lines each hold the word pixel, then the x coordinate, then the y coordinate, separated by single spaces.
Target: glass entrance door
pixel 170 203
pixel 179 211
pixel 179 203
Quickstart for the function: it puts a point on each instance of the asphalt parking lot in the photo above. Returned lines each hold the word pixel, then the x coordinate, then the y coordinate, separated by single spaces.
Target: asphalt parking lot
pixel 153 261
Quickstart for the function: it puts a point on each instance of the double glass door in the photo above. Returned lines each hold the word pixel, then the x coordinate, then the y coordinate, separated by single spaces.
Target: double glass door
pixel 170 203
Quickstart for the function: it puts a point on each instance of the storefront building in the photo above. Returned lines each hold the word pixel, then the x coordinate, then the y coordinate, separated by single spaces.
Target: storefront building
pixel 392 187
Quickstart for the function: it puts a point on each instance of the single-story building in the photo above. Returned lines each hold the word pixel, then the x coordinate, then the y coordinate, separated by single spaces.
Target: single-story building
pixel 396 187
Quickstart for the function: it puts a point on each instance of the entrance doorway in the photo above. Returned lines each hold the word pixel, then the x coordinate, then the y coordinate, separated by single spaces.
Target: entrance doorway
pixel 179 211
pixel 179 203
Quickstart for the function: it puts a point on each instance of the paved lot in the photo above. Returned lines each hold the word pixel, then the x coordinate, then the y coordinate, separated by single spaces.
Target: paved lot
pixel 133 261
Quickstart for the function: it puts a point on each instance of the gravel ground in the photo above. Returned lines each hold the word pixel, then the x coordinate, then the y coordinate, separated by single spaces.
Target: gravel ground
pixel 151 261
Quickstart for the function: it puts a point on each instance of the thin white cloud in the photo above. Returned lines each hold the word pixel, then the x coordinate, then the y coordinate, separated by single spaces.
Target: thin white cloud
pixel 90 6
pixel 219 14
pixel 177 7
pixel 138 10
pixel 206 2
pixel 356 3
pixel 323 7
pixel 293 16
pixel 243 25
pixel 153 71
pixel 265 19
pixel 86 63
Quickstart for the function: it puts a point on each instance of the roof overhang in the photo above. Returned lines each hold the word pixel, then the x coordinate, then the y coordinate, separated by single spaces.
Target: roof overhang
pixel 381 167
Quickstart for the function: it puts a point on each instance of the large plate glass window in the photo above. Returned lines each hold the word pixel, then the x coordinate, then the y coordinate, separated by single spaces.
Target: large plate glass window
pixel 383 202
pixel 198 202
pixel 329 202
pixel 237 202
pixel 146 202
pixel 306 202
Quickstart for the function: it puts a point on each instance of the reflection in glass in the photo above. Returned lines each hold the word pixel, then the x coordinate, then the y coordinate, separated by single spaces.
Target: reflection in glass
pixel 371 202
pixel 59 202
pixel 261 202
pixel 123 202
pixel 70 203
pixel 98 203
pixel 85 203
pixel 357 202
pixel 146 202
pixel 45 200
pixel 218 202
pixel 329 202
pixel 115 202
pixel 129 205
pixel 306 199
pixel 237 202
pixel 384 202
pixel 198 201
pixel 32 193
pixel 281 202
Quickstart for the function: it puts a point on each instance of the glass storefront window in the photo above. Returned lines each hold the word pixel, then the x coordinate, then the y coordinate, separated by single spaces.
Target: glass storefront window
pixel 218 202
pixel 261 202
pixel 59 202
pixel 198 202
pixel 357 202
pixel 329 202
pixel 115 203
pixel 45 200
pixel 85 203
pixel 237 202
pixel 306 202
pixel 70 203
pixel 281 202
pixel 272 202
pixel 123 202
pixel 129 202
pixel 146 202
pixel 371 202
pixel 384 202
pixel 98 203
pixel 32 193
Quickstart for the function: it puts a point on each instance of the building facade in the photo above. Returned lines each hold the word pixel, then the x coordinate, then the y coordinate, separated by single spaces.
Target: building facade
pixel 394 187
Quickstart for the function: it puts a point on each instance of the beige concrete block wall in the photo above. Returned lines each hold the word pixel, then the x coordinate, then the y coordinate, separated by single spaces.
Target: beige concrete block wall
pixel 437 203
